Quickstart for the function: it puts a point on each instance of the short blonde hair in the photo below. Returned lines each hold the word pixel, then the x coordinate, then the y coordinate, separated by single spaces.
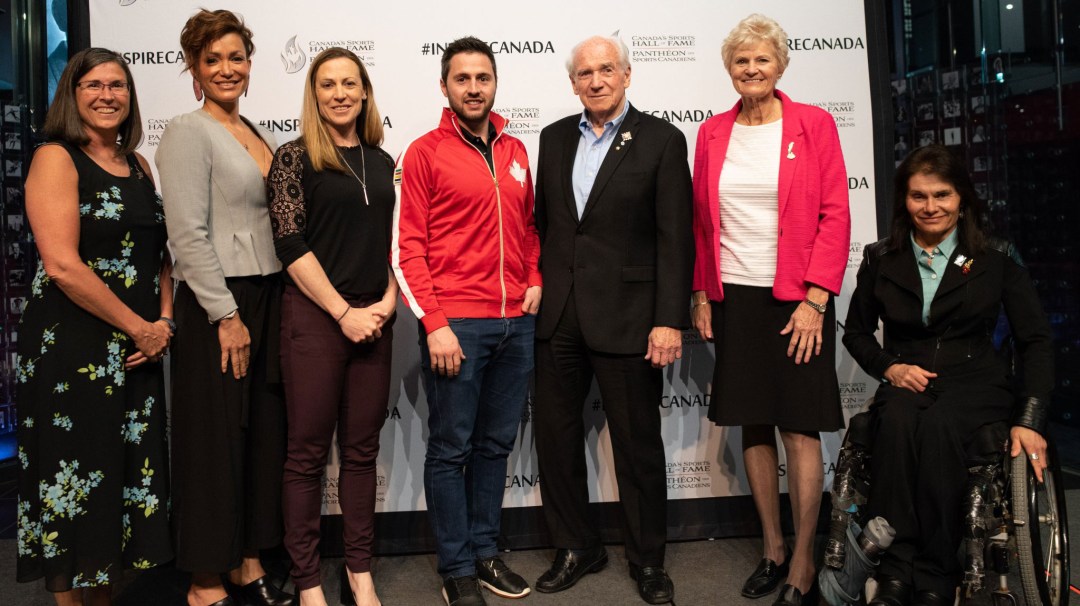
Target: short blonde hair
pixel 751 30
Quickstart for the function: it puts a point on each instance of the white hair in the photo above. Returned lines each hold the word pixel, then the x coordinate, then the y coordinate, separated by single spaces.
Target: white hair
pixel 614 41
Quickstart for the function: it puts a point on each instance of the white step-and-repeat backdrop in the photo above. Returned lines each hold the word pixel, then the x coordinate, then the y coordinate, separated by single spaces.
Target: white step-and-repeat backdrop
pixel 678 75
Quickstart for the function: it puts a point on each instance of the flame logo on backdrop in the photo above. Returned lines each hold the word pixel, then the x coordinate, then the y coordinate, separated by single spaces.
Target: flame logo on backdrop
pixel 293 57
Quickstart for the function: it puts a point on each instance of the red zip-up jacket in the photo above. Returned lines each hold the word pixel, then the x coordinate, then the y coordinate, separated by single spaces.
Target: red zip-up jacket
pixel 465 243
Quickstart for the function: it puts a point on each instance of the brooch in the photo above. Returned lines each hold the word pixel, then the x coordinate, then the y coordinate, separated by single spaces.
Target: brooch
pixel 963 263
pixel 623 139
pixel 790 154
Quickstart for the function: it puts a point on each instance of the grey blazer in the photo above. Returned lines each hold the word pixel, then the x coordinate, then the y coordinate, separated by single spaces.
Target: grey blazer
pixel 216 209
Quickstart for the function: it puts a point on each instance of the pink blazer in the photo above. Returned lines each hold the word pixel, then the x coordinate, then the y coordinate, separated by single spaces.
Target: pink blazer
pixel 815 225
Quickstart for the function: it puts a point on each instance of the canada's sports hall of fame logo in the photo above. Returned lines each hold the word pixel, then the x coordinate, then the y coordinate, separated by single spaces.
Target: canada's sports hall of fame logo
pixel 293 57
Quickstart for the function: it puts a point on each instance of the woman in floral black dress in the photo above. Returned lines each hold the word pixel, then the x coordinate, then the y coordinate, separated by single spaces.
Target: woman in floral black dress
pixel 93 478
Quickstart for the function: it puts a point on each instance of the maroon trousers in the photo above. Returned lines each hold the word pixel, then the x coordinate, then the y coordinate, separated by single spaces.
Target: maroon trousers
pixel 330 381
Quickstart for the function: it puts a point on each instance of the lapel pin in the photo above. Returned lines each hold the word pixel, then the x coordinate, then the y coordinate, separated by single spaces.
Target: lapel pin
pixel 790 154
pixel 624 138
pixel 963 263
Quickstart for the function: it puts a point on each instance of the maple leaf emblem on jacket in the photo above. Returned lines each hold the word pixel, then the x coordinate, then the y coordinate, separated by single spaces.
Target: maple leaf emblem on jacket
pixel 517 172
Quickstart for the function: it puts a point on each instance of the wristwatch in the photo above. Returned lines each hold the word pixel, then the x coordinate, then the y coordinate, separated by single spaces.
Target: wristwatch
pixel 169 322
pixel 818 307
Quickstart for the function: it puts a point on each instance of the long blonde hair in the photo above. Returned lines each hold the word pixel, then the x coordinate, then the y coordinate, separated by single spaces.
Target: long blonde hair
pixel 314 133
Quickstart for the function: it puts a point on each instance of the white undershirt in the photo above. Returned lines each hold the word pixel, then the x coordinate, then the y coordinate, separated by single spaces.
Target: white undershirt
pixel 748 185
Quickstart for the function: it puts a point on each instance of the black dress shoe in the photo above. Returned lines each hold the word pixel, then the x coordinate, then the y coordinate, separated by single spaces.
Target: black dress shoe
pixel 766 577
pixel 260 592
pixel 933 598
pixel 569 566
pixel 653 583
pixel 891 592
pixel 225 601
pixel 791 596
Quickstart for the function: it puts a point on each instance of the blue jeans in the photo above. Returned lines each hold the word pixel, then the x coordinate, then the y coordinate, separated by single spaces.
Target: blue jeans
pixel 473 420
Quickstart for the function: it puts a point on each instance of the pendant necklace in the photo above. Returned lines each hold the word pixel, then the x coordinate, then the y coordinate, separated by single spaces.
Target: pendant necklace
pixel 363 171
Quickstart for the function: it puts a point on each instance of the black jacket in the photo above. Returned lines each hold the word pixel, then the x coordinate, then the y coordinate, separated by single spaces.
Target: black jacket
pixel 630 258
pixel 957 344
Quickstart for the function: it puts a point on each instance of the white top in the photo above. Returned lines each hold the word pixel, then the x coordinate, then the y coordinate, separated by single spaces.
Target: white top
pixel 748 185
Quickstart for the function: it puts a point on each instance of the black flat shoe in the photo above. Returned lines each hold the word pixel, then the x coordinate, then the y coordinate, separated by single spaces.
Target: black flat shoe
pixel 891 592
pixel 932 598
pixel 569 566
pixel 766 577
pixel 654 584
pixel 260 592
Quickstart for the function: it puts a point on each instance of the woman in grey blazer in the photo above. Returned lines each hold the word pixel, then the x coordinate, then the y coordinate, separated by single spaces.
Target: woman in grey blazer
pixel 228 425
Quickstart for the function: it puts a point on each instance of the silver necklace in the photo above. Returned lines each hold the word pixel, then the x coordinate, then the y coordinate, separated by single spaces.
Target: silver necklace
pixel 363 171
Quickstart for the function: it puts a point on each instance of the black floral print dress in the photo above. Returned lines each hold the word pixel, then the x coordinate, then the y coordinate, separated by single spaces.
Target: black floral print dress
pixel 93 472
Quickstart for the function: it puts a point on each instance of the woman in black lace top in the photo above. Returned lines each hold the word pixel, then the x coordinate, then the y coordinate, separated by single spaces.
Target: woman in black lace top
pixel 331 208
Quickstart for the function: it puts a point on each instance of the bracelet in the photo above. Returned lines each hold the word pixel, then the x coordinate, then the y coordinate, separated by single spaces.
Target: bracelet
pixel 168 322
pixel 339 318
pixel 818 307
pixel 705 302
pixel 228 316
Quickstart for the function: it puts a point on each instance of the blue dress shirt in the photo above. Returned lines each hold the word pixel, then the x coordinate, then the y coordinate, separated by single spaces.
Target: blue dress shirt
pixel 932 268
pixel 590 155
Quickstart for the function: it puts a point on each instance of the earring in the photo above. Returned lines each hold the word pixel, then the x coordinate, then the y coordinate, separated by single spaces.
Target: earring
pixel 197 89
pixel 961 214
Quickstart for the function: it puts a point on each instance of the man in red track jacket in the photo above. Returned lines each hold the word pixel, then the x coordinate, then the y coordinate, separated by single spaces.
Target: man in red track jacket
pixel 465 252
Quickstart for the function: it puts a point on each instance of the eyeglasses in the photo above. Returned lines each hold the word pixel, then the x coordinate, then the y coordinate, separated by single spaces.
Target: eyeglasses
pixel 117 88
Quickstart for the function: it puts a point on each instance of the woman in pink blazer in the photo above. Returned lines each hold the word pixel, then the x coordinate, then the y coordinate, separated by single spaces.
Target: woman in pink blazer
pixel 772 229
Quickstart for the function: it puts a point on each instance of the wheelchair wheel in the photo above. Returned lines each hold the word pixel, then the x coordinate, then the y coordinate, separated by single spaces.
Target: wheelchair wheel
pixel 1042 542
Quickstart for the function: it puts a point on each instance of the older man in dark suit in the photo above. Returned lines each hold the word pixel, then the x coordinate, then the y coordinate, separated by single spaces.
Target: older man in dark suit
pixel 613 206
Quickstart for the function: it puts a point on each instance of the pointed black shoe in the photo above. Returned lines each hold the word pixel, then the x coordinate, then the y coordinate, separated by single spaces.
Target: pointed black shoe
pixel 766 577
pixel 654 584
pixel 569 566
pixel 260 592
pixel 791 596
pixel 345 592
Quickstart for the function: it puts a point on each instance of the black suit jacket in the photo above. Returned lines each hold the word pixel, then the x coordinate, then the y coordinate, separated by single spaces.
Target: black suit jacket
pixel 957 344
pixel 629 260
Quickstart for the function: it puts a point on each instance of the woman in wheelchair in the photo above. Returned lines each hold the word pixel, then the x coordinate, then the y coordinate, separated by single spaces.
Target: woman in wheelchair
pixel 938 283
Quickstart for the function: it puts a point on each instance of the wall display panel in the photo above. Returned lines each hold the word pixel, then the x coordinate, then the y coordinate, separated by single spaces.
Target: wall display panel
pixel 677 75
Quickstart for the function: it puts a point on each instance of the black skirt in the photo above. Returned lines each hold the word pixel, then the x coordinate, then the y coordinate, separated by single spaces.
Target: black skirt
pixel 755 382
